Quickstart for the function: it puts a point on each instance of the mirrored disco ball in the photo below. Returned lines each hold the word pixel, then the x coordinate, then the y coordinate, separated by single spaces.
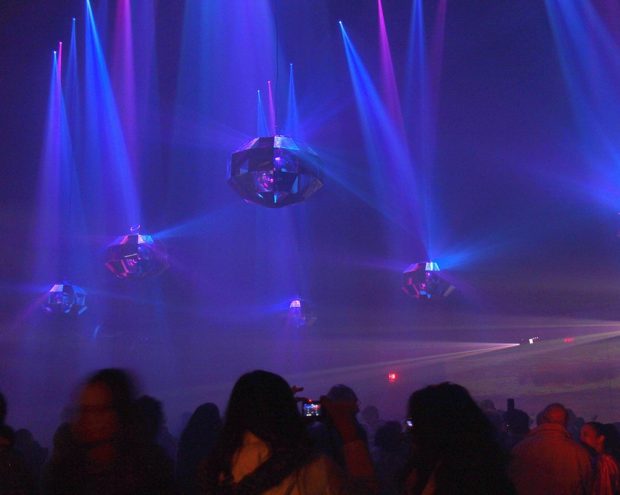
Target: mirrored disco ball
pixel 275 171
pixel 300 313
pixel 136 256
pixel 65 298
pixel 423 281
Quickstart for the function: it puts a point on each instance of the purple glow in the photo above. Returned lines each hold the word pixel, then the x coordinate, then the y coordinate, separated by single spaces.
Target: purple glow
pixel 123 77
pixel 437 46
pixel 435 66
pixel 272 110
pixel 390 88
pixel 262 129
pixel 59 62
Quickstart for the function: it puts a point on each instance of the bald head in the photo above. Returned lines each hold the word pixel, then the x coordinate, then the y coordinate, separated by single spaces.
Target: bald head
pixel 556 414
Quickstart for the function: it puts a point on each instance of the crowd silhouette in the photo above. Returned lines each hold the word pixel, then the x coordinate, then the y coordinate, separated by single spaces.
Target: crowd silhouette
pixel 116 442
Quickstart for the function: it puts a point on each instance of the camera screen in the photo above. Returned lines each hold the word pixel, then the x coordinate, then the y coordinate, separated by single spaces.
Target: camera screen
pixel 312 409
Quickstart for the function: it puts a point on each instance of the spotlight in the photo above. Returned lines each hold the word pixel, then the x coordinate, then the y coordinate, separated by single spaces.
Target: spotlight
pixel 65 298
pixel 274 171
pixel 300 313
pixel 422 281
pixel 531 340
pixel 392 377
pixel 136 256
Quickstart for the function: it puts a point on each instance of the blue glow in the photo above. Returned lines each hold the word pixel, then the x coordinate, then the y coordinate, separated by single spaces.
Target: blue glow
pixel 431 266
pixel 292 118
pixel 262 129
pixel 106 151
pixel 387 150
pixel 59 205
pixel 590 61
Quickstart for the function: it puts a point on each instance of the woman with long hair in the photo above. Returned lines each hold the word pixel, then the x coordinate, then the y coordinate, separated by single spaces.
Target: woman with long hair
pixel 453 446
pixel 263 447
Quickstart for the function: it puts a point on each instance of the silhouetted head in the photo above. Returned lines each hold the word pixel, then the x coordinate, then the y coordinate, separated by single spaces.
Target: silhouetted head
pixel 105 406
pixel 203 423
pixel 342 393
pixel 451 439
pixel 370 414
pixel 263 403
pixel 445 415
pixel 554 414
pixel 23 437
pixel 593 436
pixel 149 417
pixel 602 438
pixel 389 437
pixel 517 422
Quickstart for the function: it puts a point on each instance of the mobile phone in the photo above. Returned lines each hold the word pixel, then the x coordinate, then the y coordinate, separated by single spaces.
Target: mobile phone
pixel 311 409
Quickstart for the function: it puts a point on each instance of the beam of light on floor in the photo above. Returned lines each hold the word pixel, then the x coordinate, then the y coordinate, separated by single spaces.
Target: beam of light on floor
pixel 357 373
pixel 370 369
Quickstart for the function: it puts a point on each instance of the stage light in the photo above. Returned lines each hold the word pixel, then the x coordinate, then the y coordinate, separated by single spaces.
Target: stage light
pixel 300 313
pixel 136 256
pixel 65 298
pixel 274 171
pixel 423 281
pixel 392 377
pixel 531 340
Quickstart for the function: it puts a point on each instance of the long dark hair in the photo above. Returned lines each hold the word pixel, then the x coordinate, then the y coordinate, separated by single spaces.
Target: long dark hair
pixel 454 441
pixel 261 403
